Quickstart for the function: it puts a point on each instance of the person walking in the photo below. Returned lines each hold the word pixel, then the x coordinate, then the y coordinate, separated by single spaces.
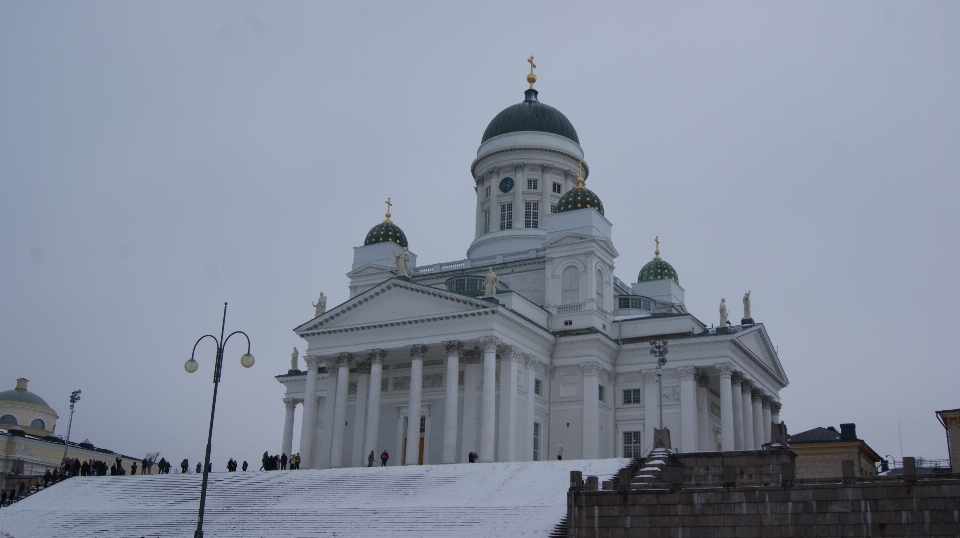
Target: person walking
pixel 184 466
pixel 133 469
pixel 3 497
pixel 244 465
pixel 199 467
pixel 370 459
pixel 283 462
pixel 383 458
pixel 559 452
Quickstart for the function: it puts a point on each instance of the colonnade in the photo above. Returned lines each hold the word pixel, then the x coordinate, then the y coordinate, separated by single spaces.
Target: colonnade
pixel 325 449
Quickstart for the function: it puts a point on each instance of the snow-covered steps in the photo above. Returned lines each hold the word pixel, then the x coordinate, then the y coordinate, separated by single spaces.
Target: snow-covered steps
pixel 464 500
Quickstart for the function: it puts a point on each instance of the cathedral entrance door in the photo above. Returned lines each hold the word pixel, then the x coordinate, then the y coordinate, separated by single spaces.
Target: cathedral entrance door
pixel 419 456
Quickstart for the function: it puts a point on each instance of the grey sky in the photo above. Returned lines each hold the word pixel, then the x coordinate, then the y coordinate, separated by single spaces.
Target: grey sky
pixel 158 159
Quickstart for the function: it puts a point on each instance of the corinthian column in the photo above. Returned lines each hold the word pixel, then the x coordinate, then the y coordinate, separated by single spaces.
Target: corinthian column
pixel 373 406
pixel 727 442
pixel 413 409
pixel 651 408
pixel 757 400
pixel 737 410
pixel 746 391
pixel 360 413
pixel 775 412
pixel 340 409
pixel 287 445
pixel 510 360
pixel 471 371
pixel 688 408
pixel 766 418
pixel 451 399
pixel 488 406
pixel 309 426
pixel 706 439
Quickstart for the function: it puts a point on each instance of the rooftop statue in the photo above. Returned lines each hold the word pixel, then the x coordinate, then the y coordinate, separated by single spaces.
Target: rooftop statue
pixel 746 305
pixel 293 359
pixel 490 284
pixel 320 305
pixel 723 312
pixel 402 260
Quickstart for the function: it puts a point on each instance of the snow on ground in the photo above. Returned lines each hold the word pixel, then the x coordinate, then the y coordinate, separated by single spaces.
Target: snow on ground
pixel 464 501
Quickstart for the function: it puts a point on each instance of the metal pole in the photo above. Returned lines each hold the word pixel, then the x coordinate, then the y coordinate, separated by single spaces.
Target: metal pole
pixel 213 409
pixel 660 386
pixel 74 398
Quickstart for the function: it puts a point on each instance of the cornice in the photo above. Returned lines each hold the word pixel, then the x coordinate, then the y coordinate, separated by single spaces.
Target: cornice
pixel 473 165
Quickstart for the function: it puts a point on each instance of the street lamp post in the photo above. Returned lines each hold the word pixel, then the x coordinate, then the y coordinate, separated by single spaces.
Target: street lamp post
pixel 658 348
pixel 191 366
pixel 74 398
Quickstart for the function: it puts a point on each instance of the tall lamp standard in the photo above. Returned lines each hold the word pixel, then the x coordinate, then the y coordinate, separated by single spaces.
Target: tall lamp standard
pixel 658 348
pixel 74 398
pixel 191 366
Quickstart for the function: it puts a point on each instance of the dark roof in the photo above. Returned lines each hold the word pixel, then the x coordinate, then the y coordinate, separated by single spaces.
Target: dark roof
pixel 658 269
pixel 816 435
pixel 579 198
pixel 530 115
pixel 385 232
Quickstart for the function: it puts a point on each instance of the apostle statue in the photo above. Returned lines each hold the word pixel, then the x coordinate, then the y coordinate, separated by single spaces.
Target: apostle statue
pixel 490 284
pixel 402 260
pixel 746 305
pixel 293 359
pixel 723 312
pixel 320 305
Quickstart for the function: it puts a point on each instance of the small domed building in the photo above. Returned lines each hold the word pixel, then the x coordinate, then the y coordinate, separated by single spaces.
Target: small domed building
pixel 530 342
pixel 22 409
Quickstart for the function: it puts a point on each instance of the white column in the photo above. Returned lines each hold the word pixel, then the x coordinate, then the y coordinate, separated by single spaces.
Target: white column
pixel 766 418
pixel 546 187
pixel 413 408
pixel 591 409
pixel 471 372
pixel 727 442
pixel 488 419
pixel 651 409
pixel 746 389
pixel 286 446
pixel 510 361
pixel 324 443
pixel 308 428
pixel 519 186
pixel 688 408
pixel 705 437
pixel 371 438
pixel 529 381
pixel 775 412
pixel 340 409
pixel 360 415
pixel 757 400
pixel 737 410
pixel 451 399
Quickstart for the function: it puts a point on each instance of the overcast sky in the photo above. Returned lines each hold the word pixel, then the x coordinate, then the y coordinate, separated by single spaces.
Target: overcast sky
pixel 160 158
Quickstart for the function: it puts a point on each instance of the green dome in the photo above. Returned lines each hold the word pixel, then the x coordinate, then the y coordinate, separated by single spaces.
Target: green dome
pixel 579 197
pixel 658 269
pixel 530 115
pixel 22 396
pixel 385 232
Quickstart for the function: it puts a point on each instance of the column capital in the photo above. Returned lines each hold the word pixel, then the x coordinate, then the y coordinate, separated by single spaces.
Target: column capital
pixel 290 403
pixel 313 362
pixel 492 172
pixel 591 368
pixel 703 380
pixel 530 361
pixel 765 400
pixel 546 168
pixel 736 376
pixel 417 351
pixel 472 356
pixel 687 372
pixel 512 354
pixel 756 395
pixel 377 356
pixel 344 360
pixel 746 386
pixel 775 406
pixel 363 367
pixel 649 376
pixel 453 347
pixel 725 370
pixel 517 168
pixel 490 343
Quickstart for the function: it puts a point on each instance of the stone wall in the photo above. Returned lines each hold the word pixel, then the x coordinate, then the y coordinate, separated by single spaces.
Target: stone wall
pixel 815 460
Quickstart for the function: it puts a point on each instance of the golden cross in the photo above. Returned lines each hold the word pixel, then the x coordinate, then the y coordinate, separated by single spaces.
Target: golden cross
pixel 532 65
pixel 657 252
pixel 388 208
pixel 580 168
pixel 531 78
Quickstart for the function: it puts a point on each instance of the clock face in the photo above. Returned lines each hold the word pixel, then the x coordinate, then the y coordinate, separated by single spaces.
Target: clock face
pixel 506 185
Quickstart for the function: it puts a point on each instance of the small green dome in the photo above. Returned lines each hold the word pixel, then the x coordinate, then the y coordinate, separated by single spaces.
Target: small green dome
pixel 658 269
pixel 385 232
pixel 579 197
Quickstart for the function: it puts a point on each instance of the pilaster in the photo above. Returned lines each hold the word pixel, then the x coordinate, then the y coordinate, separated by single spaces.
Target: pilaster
pixel 591 409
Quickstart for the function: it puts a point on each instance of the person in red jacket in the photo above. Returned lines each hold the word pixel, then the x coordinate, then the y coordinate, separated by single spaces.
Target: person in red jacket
pixel 383 458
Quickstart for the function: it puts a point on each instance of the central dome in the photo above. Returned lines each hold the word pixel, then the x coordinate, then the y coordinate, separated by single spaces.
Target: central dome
pixel 530 115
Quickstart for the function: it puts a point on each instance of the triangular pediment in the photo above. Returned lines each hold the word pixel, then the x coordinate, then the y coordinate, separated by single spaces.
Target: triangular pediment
pixel 574 238
pixel 758 343
pixel 394 300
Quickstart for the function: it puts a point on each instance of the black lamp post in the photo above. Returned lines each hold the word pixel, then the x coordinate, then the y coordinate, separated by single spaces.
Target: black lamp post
pixel 658 348
pixel 191 366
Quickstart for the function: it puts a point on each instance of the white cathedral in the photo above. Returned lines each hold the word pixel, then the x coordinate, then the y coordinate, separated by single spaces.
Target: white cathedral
pixel 530 343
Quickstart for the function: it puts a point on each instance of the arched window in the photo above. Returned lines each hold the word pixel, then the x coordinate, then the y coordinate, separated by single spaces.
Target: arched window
pixel 8 419
pixel 38 424
pixel 570 286
pixel 599 288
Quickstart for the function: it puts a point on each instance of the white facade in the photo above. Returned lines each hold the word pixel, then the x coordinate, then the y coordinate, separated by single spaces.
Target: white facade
pixel 561 357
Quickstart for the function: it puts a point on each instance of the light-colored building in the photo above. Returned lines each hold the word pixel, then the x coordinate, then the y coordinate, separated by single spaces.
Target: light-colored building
pixel 529 343
pixel 822 451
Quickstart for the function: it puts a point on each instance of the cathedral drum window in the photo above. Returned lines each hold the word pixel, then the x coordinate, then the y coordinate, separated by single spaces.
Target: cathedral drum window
pixel 532 184
pixel 506 216
pixel 557 189
pixel 531 215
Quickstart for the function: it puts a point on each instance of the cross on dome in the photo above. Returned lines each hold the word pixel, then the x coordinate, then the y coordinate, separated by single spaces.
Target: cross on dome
pixel 388 211
pixel 531 78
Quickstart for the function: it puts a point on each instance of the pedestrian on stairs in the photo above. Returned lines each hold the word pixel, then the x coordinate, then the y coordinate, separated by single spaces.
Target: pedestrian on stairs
pixel 184 465
pixel 383 458
pixel 133 469
pixel 559 452
pixel 370 459
pixel 283 462
pixel 244 465
pixel 3 497
pixel 199 468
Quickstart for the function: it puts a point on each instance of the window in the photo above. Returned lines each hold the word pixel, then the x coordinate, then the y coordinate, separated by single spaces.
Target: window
pixel 537 387
pixel 486 192
pixel 536 441
pixel 631 445
pixel 532 184
pixel 38 424
pixel 8 419
pixel 631 396
pixel 486 220
pixel 599 289
pixel 553 208
pixel 567 322
pixel 506 216
pixel 557 188
pixel 634 303
pixel 465 284
pixel 570 286
pixel 531 215
pixel 423 424
pixel 601 390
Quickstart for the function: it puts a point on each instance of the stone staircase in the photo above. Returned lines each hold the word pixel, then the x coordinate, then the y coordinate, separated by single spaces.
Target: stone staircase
pixel 651 475
pixel 499 499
